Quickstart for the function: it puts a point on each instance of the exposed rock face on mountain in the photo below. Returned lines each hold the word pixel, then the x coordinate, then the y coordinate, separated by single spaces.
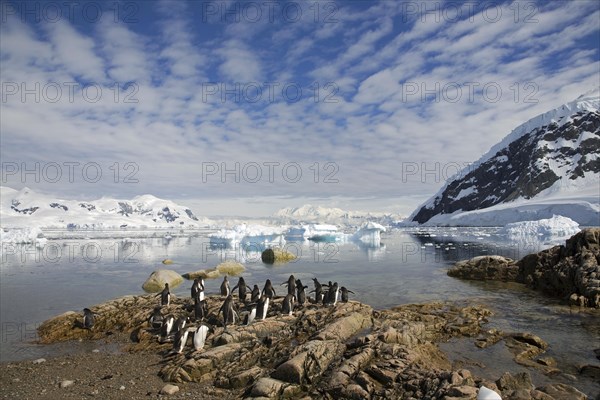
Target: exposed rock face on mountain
pixel 571 272
pixel 551 155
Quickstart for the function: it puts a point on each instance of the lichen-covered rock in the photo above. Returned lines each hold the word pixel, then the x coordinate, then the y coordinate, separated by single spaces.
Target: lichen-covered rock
pixel 272 256
pixel 157 279
pixel 483 268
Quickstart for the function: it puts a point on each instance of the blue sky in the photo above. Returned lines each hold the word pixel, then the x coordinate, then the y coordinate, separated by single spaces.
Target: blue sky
pixel 245 107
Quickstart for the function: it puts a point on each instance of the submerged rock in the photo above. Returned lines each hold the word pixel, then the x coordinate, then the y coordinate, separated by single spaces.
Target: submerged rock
pixel 157 279
pixel 483 268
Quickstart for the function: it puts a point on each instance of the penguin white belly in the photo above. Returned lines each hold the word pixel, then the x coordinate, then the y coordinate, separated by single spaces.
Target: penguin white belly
pixel 200 337
pixel 179 345
pixel 251 316
pixel 265 308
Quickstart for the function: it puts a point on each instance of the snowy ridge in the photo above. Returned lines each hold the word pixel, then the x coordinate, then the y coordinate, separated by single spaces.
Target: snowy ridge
pixel 331 215
pixel 538 170
pixel 25 208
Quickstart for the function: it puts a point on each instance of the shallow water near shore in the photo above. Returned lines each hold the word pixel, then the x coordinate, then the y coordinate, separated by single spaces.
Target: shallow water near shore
pixel 408 267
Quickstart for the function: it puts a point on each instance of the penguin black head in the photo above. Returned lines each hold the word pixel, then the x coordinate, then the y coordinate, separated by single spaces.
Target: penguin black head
pixel 88 318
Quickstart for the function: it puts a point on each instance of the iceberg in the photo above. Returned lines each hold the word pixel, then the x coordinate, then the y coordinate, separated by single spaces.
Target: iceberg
pixel 314 232
pixel 323 233
pixel 369 233
pixel 557 226
pixel 23 236
pixel 248 235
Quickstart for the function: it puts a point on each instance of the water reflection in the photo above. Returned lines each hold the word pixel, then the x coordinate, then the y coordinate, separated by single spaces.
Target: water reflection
pixel 406 266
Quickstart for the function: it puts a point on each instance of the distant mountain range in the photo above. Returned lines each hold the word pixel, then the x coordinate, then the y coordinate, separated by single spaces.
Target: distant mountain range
pixel 26 208
pixel 546 166
pixel 331 215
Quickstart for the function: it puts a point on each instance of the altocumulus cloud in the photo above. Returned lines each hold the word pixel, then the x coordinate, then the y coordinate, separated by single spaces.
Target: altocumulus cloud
pixel 345 93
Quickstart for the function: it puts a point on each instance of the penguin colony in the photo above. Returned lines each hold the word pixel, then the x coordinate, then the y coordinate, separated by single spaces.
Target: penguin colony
pixel 177 331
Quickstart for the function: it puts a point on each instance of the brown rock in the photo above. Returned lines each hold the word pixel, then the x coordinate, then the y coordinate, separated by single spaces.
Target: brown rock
pixel 560 391
pixel 514 382
pixel 309 361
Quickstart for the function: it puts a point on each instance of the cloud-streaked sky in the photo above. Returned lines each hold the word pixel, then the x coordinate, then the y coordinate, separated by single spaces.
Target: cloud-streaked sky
pixel 244 107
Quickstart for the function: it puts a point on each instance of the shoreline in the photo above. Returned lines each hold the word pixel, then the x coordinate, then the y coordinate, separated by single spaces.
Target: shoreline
pixel 405 337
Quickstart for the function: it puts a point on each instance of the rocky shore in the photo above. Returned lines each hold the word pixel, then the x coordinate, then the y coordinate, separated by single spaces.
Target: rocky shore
pixel 346 351
pixel 570 271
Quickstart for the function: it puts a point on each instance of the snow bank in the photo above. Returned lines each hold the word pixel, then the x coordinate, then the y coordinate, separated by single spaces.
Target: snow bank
pixel 555 226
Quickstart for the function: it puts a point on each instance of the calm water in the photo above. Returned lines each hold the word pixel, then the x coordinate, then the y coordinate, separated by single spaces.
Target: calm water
pixel 70 274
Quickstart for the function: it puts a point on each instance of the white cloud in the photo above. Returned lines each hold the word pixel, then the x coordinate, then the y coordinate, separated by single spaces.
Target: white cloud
pixel 370 132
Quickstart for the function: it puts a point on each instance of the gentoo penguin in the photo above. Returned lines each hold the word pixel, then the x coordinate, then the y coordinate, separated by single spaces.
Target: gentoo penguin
pixel 300 293
pixel 200 335
pixel 333 294
pixel 345 294
pixel 88 318
pixel 181 339
pixel 229 314
pixel 318 291
pixel 167 327
pixel 200 310
pixel 262 308
pixel 288 304
pixel 487 394
pixel 268 290
pixel 180 324
pixel 196 287
pixel 225 290
pixel 156 318
pixel 241 286
pixel 291 285
pixel 251 314
pixel 255 295
pixel 165 296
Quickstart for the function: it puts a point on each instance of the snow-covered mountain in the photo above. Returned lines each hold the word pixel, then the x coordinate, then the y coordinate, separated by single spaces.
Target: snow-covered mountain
pixel 548 165
pixel 26 208
pixel 331 215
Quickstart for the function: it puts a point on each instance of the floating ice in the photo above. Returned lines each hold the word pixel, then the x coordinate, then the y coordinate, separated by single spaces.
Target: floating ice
pixel 555 226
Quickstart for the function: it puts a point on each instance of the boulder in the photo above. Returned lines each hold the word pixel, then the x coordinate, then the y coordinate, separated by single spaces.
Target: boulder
pixel 570 272
pixel 230 268
pixel 518 381
pixel 157 279
pixel 272 256
pixel 211 273
pixel 311 360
